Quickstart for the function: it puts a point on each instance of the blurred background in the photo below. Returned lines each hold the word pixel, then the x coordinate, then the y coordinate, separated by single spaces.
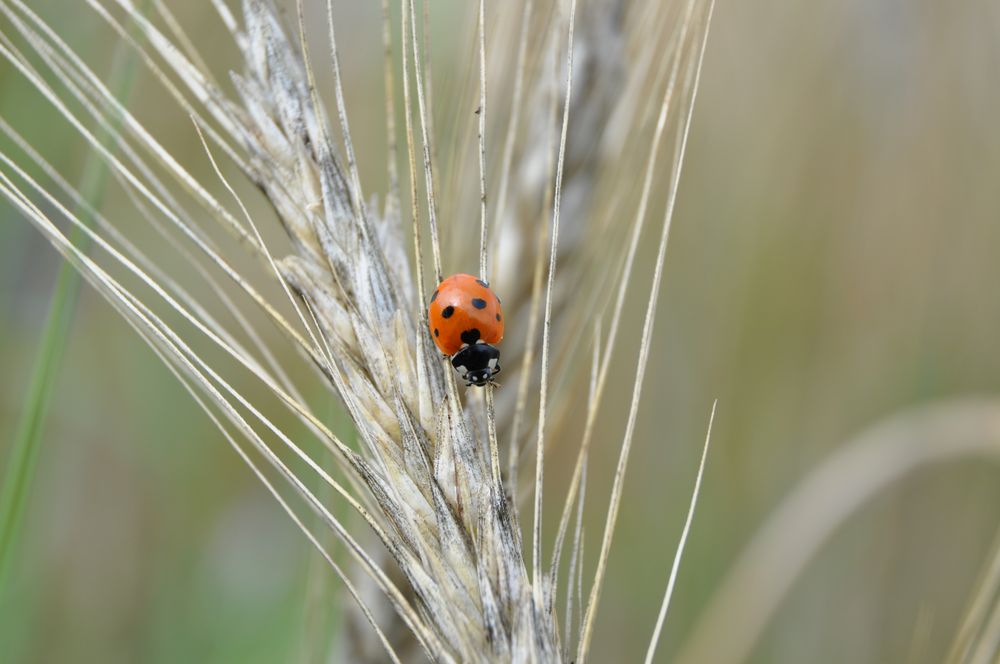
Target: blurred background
pixel 833 260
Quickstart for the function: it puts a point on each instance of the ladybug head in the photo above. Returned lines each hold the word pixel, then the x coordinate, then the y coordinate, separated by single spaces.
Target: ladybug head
pixel 477 363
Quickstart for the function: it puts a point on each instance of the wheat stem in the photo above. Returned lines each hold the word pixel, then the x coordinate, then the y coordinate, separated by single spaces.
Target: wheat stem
pixel 644 347
pixel 425 138
pixel 681 543
pixel 427 364
pixel 185 42
pixel 260 241
pixel 392 143
pixel 227 18
pixel 513 126
pixel 139 186
pixel 139 315
pixel 624 279
pixel 26 443
pixel 576 553
pixel 481 113
pixel 987 587
pixel 534 318
pixel 536 545
pixel 258 473
pixel 327 436
pixel 794 532
pixel 190 75
pixel 352 163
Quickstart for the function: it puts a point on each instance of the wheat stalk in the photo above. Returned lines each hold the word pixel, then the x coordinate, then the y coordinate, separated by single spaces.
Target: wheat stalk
pixel 426 482
pixel 870 462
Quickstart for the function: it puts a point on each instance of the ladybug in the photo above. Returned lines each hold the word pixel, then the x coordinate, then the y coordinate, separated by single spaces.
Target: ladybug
pixel 465 321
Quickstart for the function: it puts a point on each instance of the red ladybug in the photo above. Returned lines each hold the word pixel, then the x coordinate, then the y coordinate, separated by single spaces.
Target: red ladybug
pixel 465 321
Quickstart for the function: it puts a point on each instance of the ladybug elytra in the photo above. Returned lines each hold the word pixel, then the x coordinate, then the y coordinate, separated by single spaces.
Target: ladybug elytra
pixel 465 321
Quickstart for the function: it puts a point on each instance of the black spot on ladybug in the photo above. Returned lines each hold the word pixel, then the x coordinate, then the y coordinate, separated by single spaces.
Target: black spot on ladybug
pixel 478 303
pixel 447 311
pixel 470 336
pixel 434 296
pixel 498 316
pixel 435 332
pixel 482 283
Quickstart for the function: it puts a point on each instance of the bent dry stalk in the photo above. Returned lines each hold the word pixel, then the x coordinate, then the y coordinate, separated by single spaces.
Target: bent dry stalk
pixel 425 480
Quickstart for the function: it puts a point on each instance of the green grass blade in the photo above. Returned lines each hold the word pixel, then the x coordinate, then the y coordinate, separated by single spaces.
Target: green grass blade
pixel 26 443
